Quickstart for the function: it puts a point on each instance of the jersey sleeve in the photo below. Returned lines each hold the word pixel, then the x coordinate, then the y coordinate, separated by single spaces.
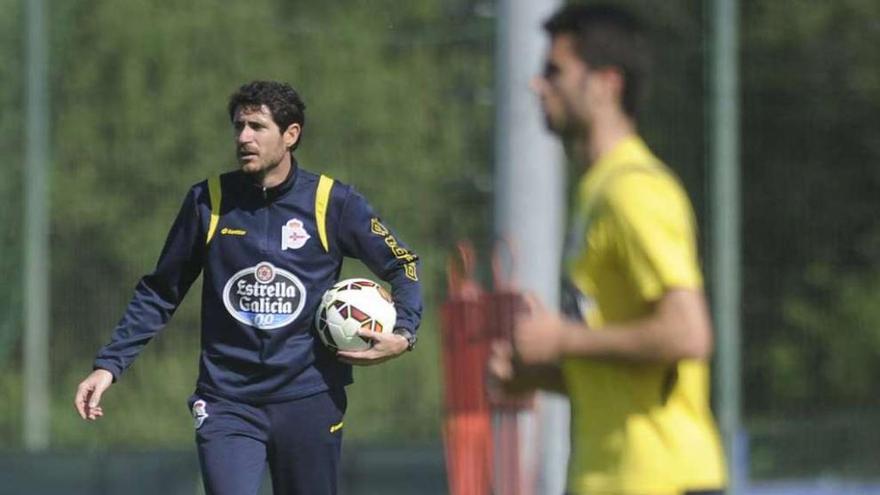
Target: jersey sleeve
pixel 157 295
pixel 364 236
pixel 656 239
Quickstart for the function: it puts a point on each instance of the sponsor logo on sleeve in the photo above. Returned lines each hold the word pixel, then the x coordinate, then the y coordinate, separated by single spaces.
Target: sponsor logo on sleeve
pixel 377 228
pixel 264 296
pixel 399 251
pixel 410 269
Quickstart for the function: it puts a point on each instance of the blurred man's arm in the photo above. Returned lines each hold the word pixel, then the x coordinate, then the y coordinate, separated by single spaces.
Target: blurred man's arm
pixel 677 328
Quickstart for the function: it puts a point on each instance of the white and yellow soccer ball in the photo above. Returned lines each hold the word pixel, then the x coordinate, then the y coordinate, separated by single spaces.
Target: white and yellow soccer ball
pixel 351 305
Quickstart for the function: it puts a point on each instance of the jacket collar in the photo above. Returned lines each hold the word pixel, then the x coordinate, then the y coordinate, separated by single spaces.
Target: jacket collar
pixel 279 190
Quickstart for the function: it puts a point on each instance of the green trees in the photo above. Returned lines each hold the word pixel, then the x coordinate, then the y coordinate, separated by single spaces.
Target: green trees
pixel 11 134
pixel 812 243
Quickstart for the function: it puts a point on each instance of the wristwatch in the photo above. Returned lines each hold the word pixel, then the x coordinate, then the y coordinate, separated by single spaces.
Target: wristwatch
pixel 410 338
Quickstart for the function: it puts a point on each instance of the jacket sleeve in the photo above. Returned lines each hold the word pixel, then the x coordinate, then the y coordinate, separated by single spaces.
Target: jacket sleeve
pixel 362 235
pixel 158 294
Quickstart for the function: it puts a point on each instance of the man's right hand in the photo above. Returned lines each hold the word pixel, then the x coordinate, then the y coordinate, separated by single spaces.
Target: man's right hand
pixel 500 366
pixel 504 376
pixel 508 377
pixel 89 392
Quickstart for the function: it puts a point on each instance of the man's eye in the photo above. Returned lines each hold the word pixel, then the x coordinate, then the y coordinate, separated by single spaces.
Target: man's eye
pixel 550 71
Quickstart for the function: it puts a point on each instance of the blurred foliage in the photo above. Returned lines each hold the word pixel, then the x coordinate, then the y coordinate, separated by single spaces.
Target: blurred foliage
pixel 811 96
pixel 12 149
pixel 815 445
pixel 841 322
pixel 399 98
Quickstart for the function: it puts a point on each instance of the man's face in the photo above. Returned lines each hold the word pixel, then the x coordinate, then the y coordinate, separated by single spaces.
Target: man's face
pixel 260 144
pixel 564 88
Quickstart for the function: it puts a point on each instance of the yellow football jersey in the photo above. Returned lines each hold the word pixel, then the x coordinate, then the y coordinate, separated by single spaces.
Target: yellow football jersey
pixel 637 428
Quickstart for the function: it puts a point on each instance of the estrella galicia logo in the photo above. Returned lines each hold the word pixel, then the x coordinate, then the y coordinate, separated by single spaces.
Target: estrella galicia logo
pixel 264 296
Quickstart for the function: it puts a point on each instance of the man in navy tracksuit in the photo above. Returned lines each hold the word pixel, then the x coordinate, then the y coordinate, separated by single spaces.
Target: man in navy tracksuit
pixel 270 238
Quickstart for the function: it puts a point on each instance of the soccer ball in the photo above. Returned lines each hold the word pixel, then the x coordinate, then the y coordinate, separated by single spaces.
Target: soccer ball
pixel 350 305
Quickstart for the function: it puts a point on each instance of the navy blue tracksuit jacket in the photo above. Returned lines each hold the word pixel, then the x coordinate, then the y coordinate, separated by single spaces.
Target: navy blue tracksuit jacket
pixel 266 265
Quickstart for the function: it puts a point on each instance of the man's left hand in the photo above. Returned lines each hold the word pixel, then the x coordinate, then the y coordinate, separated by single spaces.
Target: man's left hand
pixel 385 346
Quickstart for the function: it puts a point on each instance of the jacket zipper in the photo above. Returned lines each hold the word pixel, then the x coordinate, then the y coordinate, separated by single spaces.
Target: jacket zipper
pixel 265 221
pixel 262 335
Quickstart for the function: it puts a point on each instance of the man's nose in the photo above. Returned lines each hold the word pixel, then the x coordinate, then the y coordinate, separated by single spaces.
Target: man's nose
pixel 537 84
pixel 244 135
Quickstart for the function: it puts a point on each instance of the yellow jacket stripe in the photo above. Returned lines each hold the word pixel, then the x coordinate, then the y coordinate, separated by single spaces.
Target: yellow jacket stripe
pixel 216 195
pixel 322 198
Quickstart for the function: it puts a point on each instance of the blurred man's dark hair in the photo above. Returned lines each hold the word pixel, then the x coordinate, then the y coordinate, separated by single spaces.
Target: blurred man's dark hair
pixel 282 100
pixel 607 36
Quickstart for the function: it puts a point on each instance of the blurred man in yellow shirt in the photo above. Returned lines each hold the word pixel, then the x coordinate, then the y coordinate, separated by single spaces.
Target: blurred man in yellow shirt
pixel 636 336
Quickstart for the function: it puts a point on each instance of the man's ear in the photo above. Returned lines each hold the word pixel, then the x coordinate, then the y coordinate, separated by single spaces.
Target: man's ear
pixel 612 80
pixel 291 135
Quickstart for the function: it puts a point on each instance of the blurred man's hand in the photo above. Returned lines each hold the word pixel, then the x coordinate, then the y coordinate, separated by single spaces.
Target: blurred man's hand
pixel 506 376
pixel 502 379
pixel 500 366
pixel 538 334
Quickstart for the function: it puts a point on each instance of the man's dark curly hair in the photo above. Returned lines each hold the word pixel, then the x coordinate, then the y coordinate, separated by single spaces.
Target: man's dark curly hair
pixel 281 99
